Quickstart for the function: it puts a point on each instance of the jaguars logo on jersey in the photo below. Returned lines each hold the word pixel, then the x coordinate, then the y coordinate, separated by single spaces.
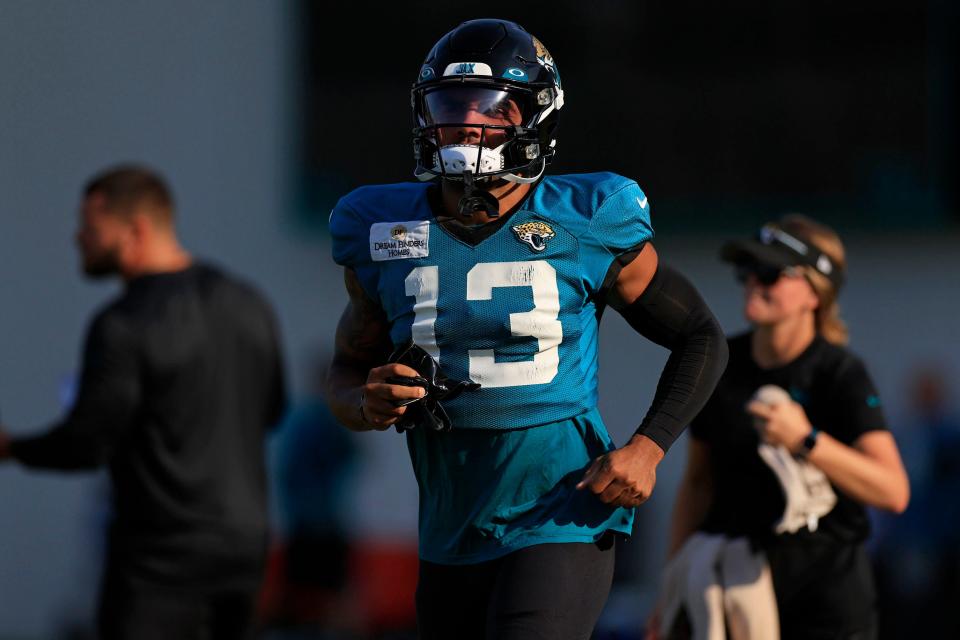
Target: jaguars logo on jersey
pixel 534 233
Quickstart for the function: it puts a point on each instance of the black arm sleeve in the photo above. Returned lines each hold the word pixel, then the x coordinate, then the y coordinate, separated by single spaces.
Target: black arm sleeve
pixel 107 401
pixel 671 313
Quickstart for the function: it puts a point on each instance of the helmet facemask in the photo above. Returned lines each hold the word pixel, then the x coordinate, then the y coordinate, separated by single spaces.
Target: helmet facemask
pixel 487 130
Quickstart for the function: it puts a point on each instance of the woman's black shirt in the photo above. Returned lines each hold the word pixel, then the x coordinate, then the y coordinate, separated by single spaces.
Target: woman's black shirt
pixel 839 398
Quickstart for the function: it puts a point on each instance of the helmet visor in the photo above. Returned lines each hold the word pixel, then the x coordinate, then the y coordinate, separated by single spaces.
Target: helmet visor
pixel 473 105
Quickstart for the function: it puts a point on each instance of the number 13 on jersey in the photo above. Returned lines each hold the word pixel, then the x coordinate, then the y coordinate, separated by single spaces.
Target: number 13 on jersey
pixel 541 322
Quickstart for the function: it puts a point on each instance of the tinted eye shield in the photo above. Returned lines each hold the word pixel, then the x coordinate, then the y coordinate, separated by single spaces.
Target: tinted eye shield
pixel 495 115
pixel 453 104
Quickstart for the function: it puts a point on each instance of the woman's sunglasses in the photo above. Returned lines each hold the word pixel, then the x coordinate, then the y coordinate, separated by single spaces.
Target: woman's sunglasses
pixel 766 274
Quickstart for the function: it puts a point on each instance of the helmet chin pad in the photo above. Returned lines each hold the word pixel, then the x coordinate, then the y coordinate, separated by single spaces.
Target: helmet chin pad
pixel 460 158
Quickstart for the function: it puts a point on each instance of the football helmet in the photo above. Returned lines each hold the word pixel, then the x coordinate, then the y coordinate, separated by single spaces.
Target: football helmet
pixel 485 105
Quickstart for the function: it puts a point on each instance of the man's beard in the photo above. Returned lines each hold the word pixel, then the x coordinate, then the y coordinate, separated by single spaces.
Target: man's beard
pixel 102 265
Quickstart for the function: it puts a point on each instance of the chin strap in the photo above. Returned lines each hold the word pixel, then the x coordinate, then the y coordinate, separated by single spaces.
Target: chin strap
pixel 475 199
pixel 512 177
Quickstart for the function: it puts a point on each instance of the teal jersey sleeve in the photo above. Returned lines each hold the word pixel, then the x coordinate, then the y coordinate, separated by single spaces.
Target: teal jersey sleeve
pixel 608 213
pixel 357 212
pixel 622 220
pixel 349 232
pixel 620 223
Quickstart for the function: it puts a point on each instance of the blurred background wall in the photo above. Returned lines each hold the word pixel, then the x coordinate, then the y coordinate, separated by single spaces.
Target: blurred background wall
pixel 262 113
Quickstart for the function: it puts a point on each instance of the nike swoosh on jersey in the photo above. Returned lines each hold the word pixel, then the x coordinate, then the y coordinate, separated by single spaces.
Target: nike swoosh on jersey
pixel 642 203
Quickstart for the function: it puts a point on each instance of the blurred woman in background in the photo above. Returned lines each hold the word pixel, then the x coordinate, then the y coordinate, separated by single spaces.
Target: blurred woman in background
pixel 770 520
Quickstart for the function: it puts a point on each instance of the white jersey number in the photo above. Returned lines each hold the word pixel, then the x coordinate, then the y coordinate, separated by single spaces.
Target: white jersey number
pixel 423 283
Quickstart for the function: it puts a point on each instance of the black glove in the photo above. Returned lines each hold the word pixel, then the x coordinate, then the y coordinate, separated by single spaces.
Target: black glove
pixel 426 411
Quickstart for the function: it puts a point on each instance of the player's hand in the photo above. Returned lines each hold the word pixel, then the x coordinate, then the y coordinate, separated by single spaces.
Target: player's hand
pixel 382 403
pixel 784 423
pixel 625 477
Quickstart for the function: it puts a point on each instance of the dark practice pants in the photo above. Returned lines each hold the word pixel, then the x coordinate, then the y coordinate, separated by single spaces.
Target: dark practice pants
pixel 543 592
pixel 135 611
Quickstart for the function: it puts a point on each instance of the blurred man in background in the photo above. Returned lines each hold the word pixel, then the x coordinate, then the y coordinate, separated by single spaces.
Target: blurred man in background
pixel 182 376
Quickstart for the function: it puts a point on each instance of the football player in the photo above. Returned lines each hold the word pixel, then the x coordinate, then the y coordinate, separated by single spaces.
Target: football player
pixel 497 274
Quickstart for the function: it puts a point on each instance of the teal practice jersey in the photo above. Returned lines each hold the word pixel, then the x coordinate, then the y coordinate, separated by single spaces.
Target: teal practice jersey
pixel 518 312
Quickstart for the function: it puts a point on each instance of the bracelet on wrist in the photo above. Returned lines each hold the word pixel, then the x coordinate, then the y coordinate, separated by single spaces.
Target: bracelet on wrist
pixel 363 416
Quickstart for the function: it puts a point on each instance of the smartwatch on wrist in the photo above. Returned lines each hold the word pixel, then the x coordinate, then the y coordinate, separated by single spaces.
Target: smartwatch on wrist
pixel 808 443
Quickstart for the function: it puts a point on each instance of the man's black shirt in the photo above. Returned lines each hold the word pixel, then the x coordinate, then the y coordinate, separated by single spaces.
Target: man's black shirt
pixel 182 376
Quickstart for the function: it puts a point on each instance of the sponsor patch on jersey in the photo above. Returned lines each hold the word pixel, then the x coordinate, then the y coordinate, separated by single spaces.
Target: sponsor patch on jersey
pixel 534 234
pixel 468 69
pixel 399 240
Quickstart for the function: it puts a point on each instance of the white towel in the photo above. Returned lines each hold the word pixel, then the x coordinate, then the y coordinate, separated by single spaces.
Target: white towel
pixel 722 584
pixel 806 489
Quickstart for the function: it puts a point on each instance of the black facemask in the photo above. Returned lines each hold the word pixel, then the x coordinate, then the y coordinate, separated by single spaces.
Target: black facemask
pixel 476 199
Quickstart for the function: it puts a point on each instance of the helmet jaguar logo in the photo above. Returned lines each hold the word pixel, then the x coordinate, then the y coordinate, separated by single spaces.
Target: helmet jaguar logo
pixel 399 232
pixel 535 234
pixel 543 56
pixel 546 60
pixel 540 49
